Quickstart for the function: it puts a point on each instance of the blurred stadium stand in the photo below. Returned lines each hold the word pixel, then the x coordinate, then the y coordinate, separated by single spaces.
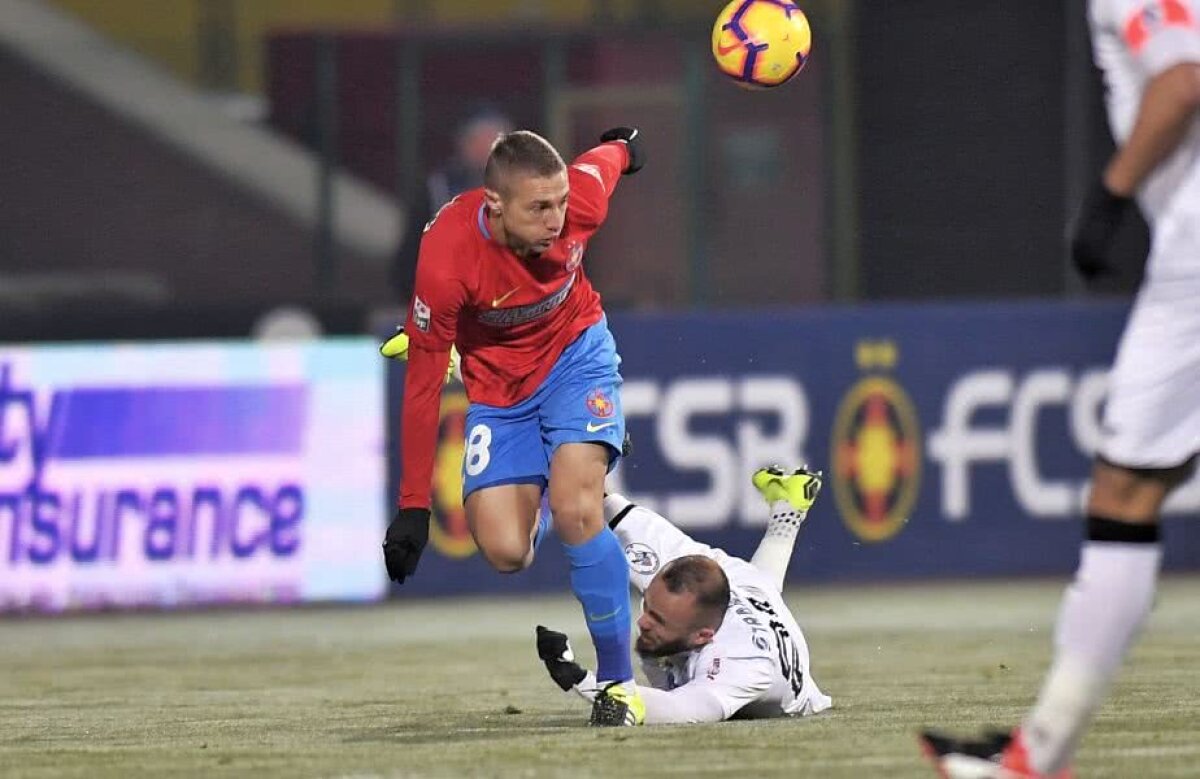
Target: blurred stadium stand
pixel 129 192
pixel 258 152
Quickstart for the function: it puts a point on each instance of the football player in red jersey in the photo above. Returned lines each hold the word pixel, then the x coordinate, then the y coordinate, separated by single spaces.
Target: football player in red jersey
pixel 500 276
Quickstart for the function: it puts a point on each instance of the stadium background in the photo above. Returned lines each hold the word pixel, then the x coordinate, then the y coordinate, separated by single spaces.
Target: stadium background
pixel 203 202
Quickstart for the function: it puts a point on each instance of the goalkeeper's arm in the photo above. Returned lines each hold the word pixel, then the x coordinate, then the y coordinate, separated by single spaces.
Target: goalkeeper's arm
pixel 692 703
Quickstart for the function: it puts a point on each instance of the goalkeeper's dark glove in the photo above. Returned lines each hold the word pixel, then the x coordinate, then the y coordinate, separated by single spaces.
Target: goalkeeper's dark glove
pixel 555 651
pixel 405 540
pixel 633 143
pixel 1093 234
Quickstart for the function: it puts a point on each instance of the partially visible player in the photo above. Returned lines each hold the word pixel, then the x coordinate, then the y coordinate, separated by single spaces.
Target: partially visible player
pixel 715 637
pixel 1149 51
pixel 500 276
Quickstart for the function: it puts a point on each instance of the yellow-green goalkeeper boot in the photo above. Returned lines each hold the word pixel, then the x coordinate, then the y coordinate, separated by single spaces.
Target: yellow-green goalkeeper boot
pixel 618 705
pixel 798 487
pixel 789 496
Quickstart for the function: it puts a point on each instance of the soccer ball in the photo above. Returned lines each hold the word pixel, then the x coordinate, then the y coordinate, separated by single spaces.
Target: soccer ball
pixel 761 43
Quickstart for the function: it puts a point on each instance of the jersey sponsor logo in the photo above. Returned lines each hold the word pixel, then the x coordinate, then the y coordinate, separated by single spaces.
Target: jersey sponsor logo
pixel 1153 17
pixel 574 255
pixel 600 405
pixel 592 427
pixel 497 301
pixel 421 314
pixel 642 559
pixel 519 315
pixel 448 531
pixel 876 449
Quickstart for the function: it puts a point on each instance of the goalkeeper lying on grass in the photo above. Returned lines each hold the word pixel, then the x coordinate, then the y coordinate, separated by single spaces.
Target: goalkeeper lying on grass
pixel 715 637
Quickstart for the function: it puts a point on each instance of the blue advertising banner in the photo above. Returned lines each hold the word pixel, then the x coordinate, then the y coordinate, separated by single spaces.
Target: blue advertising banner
pixel 956 439
pixel 190 473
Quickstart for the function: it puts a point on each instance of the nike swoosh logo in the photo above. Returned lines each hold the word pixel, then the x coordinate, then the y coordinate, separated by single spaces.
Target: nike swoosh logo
pixel 723 50
pixel 602 617
pixel 594 428
pixel 497 301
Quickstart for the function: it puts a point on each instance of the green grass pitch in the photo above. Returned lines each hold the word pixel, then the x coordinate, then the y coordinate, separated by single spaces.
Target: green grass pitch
pixel 454 688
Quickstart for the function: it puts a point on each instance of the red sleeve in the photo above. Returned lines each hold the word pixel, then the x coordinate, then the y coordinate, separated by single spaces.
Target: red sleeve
pixel 418 440
pixel 594 176
pixel 437 298
pixel 439 291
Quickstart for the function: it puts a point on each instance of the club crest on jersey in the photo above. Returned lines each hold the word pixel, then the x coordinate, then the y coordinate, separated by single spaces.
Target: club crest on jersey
pixel 642 559
pixel 713 669
pixel 600 404
pixel 421 314
pixel 574 255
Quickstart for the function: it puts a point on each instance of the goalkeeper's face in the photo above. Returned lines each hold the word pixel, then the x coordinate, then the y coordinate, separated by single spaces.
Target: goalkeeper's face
pixel 671 622
pixel 531 210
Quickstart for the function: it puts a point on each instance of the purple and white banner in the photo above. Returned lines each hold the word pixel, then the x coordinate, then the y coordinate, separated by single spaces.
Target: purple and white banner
pixel 188 473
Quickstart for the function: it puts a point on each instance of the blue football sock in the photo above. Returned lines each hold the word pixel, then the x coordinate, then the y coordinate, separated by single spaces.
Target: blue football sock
pixel 600 580
pixel 545 519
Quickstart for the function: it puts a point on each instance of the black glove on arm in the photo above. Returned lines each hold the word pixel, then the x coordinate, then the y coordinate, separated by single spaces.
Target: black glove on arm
pixel 632 138
pixel 1095 229
pixel 404 542
pixel 555 651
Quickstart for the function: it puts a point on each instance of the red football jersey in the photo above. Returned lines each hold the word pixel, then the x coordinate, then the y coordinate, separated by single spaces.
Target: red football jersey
pixel 510 318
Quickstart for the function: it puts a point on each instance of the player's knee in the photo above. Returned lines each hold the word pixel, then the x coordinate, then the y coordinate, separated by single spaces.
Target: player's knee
pixel 1131 494
pixel 509 557
pixel 576 517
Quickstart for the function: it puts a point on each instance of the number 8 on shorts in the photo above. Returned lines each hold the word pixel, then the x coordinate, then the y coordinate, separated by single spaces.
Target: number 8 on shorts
pixel 477 455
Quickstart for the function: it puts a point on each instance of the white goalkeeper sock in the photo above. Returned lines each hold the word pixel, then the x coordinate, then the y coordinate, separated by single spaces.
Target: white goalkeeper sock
pixel 774 552
pixel 1101 614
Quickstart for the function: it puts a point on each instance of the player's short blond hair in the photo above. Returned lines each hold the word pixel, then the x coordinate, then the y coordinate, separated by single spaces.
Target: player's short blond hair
pixel 523 151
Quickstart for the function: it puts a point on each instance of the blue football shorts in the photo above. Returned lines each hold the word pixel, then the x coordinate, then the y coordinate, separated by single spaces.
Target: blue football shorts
pixel 580 401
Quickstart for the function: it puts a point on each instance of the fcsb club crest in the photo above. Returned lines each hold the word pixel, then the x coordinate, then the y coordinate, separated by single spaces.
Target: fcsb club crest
pixel 574 255
pixel 448 530
pixel 876 450
pixel 600 404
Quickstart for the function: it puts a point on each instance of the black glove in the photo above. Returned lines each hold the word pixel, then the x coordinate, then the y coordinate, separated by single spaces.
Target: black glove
pixel 1094 231
pixel 404 542
pixel 555 651
pixel 632 139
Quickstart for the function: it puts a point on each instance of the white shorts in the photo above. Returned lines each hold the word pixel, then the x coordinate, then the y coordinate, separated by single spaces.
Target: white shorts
pixel 1152 415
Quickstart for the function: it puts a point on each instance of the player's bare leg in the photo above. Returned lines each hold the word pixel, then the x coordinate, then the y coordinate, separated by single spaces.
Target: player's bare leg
pixel 577 474
pixel 1104 608
pixel 504 522
pixel 599 574
pixel 790 495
